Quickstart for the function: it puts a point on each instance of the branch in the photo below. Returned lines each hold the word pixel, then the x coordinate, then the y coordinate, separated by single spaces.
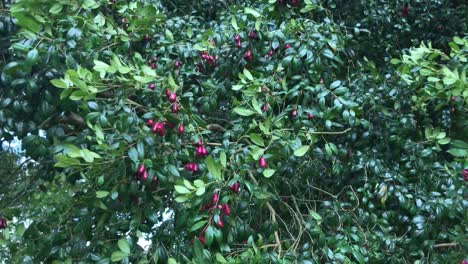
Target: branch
pixel 444 245
pixel 273 216
pixel 330 133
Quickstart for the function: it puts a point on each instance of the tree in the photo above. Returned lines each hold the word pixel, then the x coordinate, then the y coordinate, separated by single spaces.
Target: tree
pixel 257 133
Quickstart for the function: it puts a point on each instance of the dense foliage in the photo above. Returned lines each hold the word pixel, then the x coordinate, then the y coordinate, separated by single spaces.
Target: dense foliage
pixel 234 131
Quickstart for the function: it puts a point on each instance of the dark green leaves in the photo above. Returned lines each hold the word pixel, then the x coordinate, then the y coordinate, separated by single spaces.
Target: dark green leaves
pixel 213 167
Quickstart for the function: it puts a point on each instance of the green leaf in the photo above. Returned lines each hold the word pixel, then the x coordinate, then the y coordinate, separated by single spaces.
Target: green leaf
pixel 258 24
pixel 100 66
pixel 315 216
pixel 328 150
pixel 257 139
pixel 301 151
pixel 234 23
pixel 268 173
pixel 252 11
pixel 255 106
pixel 27 21
pixel 223 159
pixel 59 83
pixel 56 8
pixel 124 245
pixel 169 35
pixel 181 189
pixel 243 111
pixel 237 87
pixel 209 235
pixel 102 194
pixel 198 225
pixel 335 84
pixel 358 256
pixel 248 74
pixel 458 152
pixel 118 256
pixel 199 183
pixel 171 261
pixel 443 141
pixel 200 191
pixel 173 170
pixel 189 185
pixel 220 258
pixel 182 199
pixel 213 167
pixel 32 56
pixel 198 249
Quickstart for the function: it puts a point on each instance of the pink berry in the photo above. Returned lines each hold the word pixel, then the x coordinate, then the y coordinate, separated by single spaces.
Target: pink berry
pixel 262 162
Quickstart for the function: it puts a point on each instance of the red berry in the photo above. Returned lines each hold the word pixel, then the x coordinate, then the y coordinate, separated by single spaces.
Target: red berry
pixel 253 34
pixel 220 223
pixel 202 239
pixel 141 169
pixel 154 65
pixel 453 98
pixel 465 261
pixel 159 128
pixel 406 11
pixel 195 167
pixel 287 46
pixel 124 20
pixel 168 93
pixel 465 174
pixel 147 38
pixel 215 198
pixel 155 179
pixel 145 175
pixel 311 116
pixel 248 55
pixel 172 97
pixel 155 59
pixel 227 209
pixel 3 223
pixel 237 38
pixel 235 187
pixel 150 122
pixel 239 44
pixel 294 3
pixel 189 166
pixel 271 53
pixel 175 108
pixel 294 113
pixel 200 143
pixel 201 152
pixel 265 107
pixel 152 86
pixel 321 81
pixel 262 162
pixel 181 129
pixel 177 64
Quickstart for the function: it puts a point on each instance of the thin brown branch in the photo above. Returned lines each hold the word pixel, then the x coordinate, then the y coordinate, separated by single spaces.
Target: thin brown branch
pixel 445 245
pixel 273 216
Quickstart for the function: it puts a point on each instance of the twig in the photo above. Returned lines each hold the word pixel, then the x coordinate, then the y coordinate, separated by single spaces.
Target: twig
pixel 444 245
pixel 273 217
pixel 330 133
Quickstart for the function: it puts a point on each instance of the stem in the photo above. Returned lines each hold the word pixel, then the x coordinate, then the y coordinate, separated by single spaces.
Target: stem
pixel 273 216
pixel 444 245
